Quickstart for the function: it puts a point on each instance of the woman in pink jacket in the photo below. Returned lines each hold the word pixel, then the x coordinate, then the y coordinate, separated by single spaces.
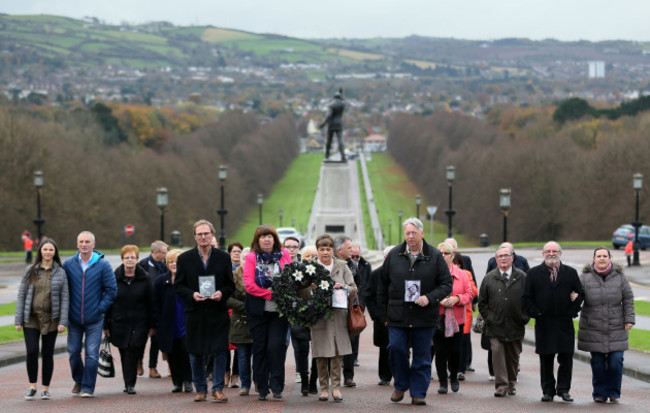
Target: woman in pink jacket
pixel 448 336
pixel 268 328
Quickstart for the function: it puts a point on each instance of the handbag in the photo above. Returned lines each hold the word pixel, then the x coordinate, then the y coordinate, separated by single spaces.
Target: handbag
pixel 105 367
pixel 479 325
pixel 451 325
pixel 356 319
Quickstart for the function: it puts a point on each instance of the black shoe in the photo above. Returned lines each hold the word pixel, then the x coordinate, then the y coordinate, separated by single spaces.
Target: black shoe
pixel 188 387
pixel 442 389
pixel 566 397
pixel 30 394
pixel 547 397
pixel 454 386
pixel 600 399
pixel 304 384
pixel 470 369
pixel 384 383
pixel 277 395
pixel 461 377
pixel 312 388
pixel 130 389
pixel 349 383
pixel 177 389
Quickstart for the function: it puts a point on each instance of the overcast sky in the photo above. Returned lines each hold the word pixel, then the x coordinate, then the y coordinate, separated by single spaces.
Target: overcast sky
pixel 466 19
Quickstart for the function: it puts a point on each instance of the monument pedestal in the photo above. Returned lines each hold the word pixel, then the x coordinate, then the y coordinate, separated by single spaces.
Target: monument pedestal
pixel 337 205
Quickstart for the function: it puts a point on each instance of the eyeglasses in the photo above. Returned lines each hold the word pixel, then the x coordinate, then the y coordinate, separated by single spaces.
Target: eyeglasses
pixel 291 247
pixel 551 251
pixel 355 257
pixel 203 234
pixel 235 252
pixel 446 253
pixel 502 256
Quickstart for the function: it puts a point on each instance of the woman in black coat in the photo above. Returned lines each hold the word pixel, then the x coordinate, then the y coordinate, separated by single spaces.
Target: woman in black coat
pixel 129 321
pixel 169 321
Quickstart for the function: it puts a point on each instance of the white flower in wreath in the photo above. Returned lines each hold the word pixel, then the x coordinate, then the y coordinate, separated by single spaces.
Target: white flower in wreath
pixel 324 285
pixel 298 275
pixel 311 270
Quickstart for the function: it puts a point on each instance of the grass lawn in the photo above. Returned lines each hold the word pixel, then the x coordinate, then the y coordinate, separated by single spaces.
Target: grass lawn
pixel 9 333
pixel 371 242
pixel 392 191
pixel 8 309
pixel 293 194
pixel 642 307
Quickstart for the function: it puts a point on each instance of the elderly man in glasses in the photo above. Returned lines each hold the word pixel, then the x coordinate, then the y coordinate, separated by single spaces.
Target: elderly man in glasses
pixel 550 298
pixel 500 305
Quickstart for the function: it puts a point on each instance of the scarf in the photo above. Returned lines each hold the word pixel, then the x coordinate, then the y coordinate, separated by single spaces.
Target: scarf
pixel 267 267
pixel 605 271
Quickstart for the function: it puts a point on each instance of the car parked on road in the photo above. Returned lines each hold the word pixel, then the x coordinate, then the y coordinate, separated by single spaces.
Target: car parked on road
pixel 284 232
pixel 625 233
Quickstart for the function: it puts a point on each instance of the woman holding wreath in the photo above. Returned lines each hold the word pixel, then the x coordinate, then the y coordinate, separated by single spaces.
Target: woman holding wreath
pixel 330 338
pixel 268 328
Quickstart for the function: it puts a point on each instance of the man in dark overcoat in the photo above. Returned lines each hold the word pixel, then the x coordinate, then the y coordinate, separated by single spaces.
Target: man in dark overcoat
pixel 548 299
pixel 206 317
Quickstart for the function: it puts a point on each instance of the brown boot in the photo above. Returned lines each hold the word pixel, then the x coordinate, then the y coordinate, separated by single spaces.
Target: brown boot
pixel 226 380
pixel 140 369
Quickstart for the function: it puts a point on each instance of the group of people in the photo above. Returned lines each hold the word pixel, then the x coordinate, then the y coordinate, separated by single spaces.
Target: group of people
pixel 197 305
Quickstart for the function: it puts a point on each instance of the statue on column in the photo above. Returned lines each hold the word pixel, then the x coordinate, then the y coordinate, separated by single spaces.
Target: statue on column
pixel 334 122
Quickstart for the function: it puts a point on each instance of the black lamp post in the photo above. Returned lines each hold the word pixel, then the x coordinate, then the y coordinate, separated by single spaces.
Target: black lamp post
pixel 399 225
pixel 162 202
pixel 223 174
pixel 637 183
pixel 504 203
pixel 451 175
pixel 39 221
pixel 260 202
pixel 280 214
pixel 418 201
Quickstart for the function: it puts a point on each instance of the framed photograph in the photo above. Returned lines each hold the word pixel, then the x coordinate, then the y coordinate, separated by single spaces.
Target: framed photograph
pixel 340 298
pixel 411 290
pixel 207 285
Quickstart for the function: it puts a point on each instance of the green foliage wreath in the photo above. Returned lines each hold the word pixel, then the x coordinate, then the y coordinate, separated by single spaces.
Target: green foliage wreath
pixel 296 276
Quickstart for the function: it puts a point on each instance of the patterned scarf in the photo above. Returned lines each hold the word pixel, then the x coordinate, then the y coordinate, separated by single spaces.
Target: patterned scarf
pixel 267 267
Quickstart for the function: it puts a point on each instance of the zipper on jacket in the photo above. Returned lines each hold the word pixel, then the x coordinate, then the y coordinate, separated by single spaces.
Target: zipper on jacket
pixel 83 291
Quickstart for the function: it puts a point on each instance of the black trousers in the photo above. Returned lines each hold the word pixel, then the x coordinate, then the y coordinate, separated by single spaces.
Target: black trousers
pixel 564 372
pixel 130 356
pixel 348 359
pixel 383 365
pixel 269 348
pixel 32 336
pixel 465 353
pixel 179 362
pixel 301 354
pixel 328 145
pixel 447 354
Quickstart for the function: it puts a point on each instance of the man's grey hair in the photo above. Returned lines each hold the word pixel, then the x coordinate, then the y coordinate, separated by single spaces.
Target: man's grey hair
pixel 413 221
pixel 90 234
pixel 158 246
pixel 339 241
pixel 507 245
pixel 552 242
pixel 203 222
pixel 452 242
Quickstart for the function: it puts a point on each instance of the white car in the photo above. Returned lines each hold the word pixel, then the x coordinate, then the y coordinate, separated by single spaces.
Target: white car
pixel 284 232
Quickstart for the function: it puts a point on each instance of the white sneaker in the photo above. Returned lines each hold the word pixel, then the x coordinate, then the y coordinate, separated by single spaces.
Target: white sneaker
pixel 298 379
pixel 491 378
pixel 86 395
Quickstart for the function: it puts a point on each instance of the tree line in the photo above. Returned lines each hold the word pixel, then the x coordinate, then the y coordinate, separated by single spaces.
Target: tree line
pixel 92 185
pixel 569 182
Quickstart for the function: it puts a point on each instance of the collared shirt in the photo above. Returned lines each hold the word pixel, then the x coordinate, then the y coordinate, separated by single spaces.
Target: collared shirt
pixel 205 266
pixel 84 264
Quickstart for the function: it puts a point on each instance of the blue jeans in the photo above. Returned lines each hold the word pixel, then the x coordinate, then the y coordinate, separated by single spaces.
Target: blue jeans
pixel 607 371
pixel 84 372
pixel 244 364
pixel 198 361
pixel 415 375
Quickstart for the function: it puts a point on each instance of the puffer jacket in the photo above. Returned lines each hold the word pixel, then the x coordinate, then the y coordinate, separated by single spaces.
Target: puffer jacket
pixel 91 292
pixel 430 268
pixel 59 296
pixel 608 306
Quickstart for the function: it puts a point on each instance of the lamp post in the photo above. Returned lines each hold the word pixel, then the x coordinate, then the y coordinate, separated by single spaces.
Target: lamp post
pixel 280 214
pixel 418 201
pixel 637 183
pixel 162 201
pixel 451 175
pixel 260 202
pixel 504 203
pixel 399 224
pixel 39 221
pixel 223 174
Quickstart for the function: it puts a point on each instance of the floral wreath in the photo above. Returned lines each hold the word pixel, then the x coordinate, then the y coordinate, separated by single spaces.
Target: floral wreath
pixel 298 275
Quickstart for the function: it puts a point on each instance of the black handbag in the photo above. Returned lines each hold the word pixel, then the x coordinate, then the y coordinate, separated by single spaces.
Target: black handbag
pixel 479 325
pixel 106 367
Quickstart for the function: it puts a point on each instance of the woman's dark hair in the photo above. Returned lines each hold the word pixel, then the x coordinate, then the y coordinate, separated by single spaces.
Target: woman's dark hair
pixel 603 248
pixel 260 232
pixel 325 240
pixel 458 260
pixel 234 244
pixel 39 259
